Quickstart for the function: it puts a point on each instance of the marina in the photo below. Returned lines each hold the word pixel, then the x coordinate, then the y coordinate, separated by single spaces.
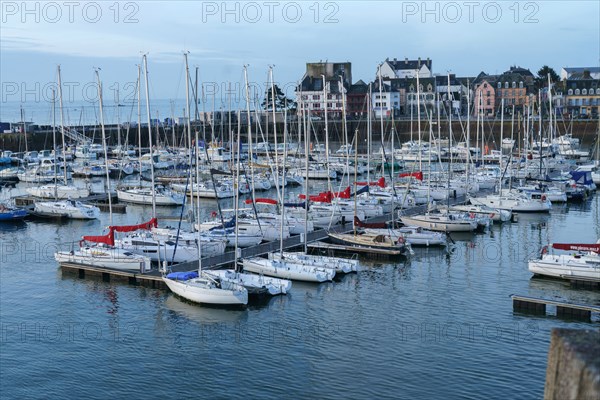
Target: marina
pixel 215 209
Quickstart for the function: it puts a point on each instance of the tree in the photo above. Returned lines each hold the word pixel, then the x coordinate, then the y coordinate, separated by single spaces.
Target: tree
pixel 542 79
pixel 281 101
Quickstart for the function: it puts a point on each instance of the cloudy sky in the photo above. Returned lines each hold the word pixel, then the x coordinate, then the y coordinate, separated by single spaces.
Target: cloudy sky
pixel 221 37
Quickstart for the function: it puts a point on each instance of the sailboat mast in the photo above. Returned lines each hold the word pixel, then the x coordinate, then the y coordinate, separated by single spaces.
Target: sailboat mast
pixel 236 185
pixel 381 123
pixel 306 199
pixel 145 59
pixel 139 118
pixel 62 124
pixel 326 131
pixel 118 121
pixel 54 144
pixel 189 136
pixel 419 120
pixel 501 138
pixel 369 128
pixel 450 106
pixel 104 147
pixel 275 137
pixel 283 175
pixel 468 135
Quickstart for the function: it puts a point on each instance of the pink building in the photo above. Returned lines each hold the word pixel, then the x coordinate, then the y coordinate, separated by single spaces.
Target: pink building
pixel 484 99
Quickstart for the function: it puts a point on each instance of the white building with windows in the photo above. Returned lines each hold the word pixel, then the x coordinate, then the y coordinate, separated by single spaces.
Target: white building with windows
pixel 399 69
pixel 324 87
pixel 386 101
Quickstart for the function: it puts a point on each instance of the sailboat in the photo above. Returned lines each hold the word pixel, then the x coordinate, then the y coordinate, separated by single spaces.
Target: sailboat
pixel 584 264
pixel 68 208
pixel 57 191
pixel 9 213
pixel 197 286
pixel 100 251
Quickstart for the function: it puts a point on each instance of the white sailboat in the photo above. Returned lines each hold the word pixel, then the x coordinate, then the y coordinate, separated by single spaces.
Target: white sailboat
pixel 196 286
pixel 585 264
pixel 103 252
pixel 162 196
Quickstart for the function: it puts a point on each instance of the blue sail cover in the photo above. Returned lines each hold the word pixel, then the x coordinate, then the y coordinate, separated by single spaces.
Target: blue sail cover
pixel 298 205
pixel 182 276
pixel 229 224
pixel 582 177
pixel 364 189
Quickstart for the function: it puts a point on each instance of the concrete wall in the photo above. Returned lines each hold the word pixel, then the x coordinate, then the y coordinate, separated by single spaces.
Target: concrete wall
pixel 573 365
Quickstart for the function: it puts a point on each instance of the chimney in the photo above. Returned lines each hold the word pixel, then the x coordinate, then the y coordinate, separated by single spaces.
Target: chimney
pixel 395 59
pixel 586 74
pixel 405 60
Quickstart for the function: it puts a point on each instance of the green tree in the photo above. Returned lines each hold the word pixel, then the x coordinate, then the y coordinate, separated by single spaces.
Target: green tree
pixel 542 76
pixel 281 101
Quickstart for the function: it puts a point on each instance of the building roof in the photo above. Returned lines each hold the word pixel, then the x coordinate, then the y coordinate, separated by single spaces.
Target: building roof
pixel 310 84
pixel 581 69
pixel 359 87
pixel 582 84
pixel 405 64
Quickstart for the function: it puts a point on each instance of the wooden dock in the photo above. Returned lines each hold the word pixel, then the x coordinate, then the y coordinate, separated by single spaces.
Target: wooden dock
pixel 153 278
pixel 536 305
pixel 80 271
pixel 332 249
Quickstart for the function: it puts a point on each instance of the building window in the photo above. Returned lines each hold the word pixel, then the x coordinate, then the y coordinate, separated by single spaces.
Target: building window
pixel 488 102
pixel 315 97
pixel 591 91
pixel 514 85
pixel 317 105
pixel 576 92
pixel 584 92
pixel 329 96
pixel 570 92
pixel 485 85
pixel 429 88
pixel 421 87
pixel 505 85
pixel 339 105
pixel 499 85
pixel 521 85
pixel 488 93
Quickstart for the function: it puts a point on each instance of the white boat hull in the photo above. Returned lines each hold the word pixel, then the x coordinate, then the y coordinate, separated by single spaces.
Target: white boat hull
pixel 566 266
pixel 197 291
pixel 107 258
pixel 286 270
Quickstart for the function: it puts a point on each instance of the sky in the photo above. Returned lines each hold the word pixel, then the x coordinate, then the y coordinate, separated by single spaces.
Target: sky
pixel 464 38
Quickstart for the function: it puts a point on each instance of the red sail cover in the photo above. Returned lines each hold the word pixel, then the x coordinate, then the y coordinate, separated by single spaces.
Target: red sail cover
pixel 380 183
pixel 577 247
pixel 108 239
pixel 262 200
pixel 153 223
pixel 418 175
pixel 323 197
pixel 345 194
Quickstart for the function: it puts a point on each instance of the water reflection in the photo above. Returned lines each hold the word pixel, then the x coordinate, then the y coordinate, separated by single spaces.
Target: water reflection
pixel 177 307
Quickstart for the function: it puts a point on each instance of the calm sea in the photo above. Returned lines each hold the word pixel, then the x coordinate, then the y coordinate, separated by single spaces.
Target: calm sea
pixel 437 325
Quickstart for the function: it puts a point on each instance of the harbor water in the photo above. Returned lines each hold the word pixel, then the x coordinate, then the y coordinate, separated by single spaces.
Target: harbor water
pixel 438 324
